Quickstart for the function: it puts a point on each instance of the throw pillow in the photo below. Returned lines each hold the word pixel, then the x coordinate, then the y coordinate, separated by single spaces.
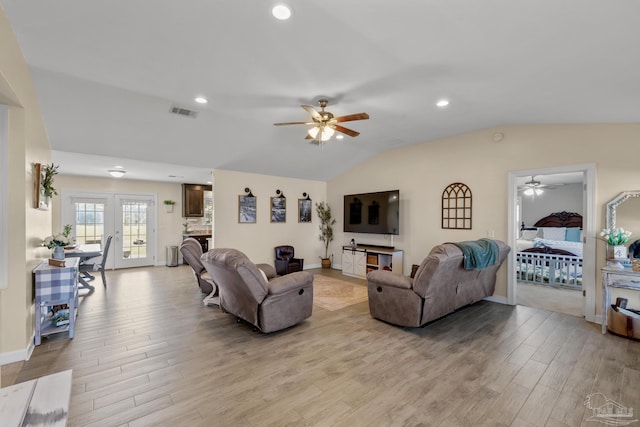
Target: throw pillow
pixel 529 234
pixel 554 233
pixel 264 276
pixel 573 234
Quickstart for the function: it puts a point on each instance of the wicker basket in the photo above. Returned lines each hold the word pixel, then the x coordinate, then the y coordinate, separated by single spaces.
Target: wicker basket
pixel 635 264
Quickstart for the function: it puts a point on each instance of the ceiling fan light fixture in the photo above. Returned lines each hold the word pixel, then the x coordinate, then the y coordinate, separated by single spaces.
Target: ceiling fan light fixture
pixel 313 132
pixel 117 173
pixel 281 12
pixel 327 133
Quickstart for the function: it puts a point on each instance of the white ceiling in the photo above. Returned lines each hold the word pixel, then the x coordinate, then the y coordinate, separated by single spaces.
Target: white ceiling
pixel 106 74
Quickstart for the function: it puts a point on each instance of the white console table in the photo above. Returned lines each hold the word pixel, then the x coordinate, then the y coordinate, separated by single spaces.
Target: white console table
pixel 357 261
pixel 616 278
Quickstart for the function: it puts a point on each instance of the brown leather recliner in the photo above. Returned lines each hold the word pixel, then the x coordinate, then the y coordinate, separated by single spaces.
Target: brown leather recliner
pixel 286 262
pixel 441 286
pixel 269 303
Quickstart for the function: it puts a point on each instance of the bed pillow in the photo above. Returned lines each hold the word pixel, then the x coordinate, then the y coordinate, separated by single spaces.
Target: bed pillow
pixel 529 234
pixel 573 234
pixel 554 233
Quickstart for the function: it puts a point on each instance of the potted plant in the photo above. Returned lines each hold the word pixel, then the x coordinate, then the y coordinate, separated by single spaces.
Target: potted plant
pixel 47 188
pixel 169 205
pixel 326 230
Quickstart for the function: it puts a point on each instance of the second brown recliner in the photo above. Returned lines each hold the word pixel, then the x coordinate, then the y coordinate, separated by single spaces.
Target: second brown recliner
pixel 255 295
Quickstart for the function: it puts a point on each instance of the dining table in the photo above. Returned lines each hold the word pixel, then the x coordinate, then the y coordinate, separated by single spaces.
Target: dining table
pixel 84 252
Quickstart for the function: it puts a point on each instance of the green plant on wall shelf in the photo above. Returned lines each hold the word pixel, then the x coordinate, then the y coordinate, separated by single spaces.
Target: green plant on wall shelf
pixel 169 202
pixel 48 172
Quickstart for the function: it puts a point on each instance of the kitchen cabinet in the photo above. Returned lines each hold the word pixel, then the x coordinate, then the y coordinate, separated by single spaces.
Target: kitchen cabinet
pixel 193 200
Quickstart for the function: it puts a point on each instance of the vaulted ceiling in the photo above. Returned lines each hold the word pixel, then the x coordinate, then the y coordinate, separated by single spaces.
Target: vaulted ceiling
pixel 107 73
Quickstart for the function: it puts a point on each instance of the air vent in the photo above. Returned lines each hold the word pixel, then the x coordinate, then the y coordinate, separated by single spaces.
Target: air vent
pixel 181 111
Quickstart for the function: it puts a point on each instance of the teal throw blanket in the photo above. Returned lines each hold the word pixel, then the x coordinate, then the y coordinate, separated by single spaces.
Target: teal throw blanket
pixel 478 254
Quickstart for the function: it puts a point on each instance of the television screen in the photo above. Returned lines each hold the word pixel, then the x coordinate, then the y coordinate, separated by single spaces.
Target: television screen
pixel 377 213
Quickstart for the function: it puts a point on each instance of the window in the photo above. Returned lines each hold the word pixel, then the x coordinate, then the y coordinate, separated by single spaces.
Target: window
pixel 89 226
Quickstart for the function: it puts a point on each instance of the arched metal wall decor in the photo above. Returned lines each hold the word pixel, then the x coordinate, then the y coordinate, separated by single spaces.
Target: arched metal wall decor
pixel 456 207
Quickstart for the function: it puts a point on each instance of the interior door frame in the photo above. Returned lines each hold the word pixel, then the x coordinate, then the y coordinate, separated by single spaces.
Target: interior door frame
pixel 588 225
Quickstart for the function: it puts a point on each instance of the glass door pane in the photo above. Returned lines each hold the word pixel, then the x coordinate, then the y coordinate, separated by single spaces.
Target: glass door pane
pixel 135 237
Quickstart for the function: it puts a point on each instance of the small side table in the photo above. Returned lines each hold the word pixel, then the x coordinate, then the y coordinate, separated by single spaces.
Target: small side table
pixel 55 285
pixel 616 278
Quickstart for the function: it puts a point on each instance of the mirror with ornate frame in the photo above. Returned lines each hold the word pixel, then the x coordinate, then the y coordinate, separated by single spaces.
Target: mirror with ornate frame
pixel 624 211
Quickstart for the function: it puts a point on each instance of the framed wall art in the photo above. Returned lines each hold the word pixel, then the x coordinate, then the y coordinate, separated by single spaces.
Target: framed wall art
pixel 304 209
pixel 456 207
pixel 279 208
pixel 247 208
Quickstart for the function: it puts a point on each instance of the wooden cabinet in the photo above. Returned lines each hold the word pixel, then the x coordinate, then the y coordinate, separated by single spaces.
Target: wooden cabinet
pixel 360 260
pixel 193 200
pixel 354 262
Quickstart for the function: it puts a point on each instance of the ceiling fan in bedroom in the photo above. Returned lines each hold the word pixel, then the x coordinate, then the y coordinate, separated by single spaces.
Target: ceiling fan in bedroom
pixel 534 187
pixel 324 124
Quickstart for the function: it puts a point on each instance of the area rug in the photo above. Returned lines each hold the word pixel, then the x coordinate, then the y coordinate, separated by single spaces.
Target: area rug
pixel 334 294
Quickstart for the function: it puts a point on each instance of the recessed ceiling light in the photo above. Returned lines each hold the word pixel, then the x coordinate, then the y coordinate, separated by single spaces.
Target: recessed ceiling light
pixel 117 173
pixel 442 103
pixel 281 12
pixel 339 137
pixel 201 100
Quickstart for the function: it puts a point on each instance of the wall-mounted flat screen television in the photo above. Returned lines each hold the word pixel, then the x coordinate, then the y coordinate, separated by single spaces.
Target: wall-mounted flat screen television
pixel 377 213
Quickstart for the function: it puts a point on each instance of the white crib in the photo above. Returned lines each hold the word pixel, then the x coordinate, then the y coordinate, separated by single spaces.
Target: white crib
pixel 549 269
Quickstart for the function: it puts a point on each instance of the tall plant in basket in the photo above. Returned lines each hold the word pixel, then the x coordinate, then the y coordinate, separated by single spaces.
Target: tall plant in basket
pixel 326 230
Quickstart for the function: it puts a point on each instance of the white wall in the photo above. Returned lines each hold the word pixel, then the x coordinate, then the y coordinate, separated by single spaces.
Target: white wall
pixel 28 144
pixel 563 198
pixel 423 171
pixel 258 240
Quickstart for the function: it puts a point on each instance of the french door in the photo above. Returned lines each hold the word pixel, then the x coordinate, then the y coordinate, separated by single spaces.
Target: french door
pixel 134 238
pixel 129 218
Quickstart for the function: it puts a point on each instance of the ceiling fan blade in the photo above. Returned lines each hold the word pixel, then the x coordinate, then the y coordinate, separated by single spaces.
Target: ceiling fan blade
pixel 351 117
pixel 345 130
pixel 313 112
pixel 293 123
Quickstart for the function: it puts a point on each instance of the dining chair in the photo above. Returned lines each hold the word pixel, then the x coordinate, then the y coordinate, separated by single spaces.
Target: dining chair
pixel 86 267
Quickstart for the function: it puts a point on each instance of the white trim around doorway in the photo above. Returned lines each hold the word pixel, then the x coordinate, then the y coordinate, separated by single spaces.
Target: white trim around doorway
pixel 588 225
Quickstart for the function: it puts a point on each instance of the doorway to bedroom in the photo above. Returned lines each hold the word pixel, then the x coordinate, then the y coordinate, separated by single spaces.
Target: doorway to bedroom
pixel 550 215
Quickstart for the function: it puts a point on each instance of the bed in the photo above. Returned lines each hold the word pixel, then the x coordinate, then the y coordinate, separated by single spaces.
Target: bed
pixel 550 252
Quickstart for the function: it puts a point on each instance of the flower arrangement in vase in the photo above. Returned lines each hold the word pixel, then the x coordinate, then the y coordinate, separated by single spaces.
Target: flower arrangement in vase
pixel 616 238
pixel 57 242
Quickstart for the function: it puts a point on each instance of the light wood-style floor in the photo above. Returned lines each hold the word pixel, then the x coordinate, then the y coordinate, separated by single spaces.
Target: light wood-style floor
pixel 147 352
pixel 560 300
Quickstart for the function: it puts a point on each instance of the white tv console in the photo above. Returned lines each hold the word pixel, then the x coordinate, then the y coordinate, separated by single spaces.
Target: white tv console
pixel 358 260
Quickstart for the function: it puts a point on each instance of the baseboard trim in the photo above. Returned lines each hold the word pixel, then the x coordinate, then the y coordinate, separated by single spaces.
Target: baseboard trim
pixel 18 355
pixel 498 299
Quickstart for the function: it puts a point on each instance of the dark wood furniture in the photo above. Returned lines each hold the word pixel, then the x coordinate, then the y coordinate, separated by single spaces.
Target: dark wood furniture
pixel 193 200
pixel 560 219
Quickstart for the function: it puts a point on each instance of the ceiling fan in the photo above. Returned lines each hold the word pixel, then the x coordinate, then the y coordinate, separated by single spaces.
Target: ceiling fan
pixel 325 124
pixel 533 187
